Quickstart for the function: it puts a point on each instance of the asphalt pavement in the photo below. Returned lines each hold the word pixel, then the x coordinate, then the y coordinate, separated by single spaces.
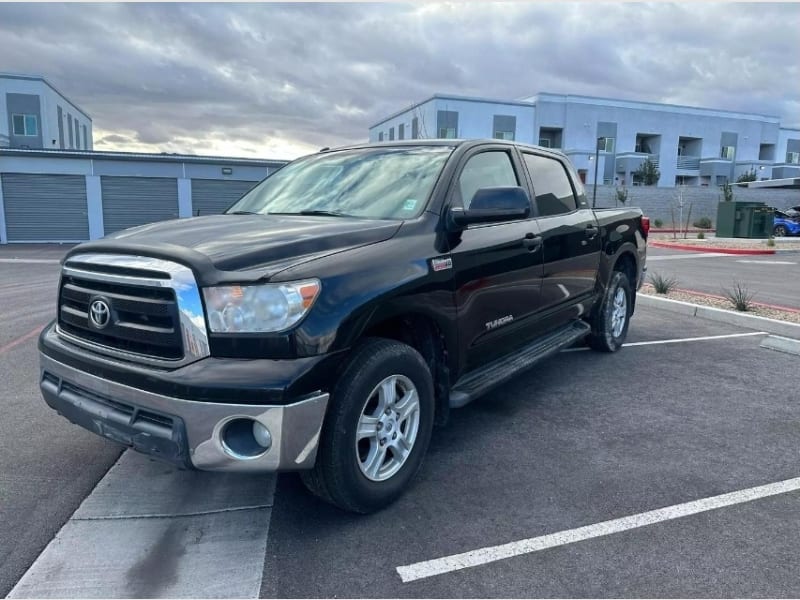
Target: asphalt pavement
pixel 47 465
pixel 774 278
pixel 582 439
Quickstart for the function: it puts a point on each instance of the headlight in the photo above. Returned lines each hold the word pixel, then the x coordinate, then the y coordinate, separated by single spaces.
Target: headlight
pixel 259 308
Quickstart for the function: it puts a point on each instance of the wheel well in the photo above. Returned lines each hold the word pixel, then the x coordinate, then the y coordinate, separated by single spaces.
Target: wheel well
pixel 422 334
pixel 626 263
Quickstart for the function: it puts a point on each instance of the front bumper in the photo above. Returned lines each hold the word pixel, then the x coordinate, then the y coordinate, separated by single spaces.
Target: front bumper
pixel 188 433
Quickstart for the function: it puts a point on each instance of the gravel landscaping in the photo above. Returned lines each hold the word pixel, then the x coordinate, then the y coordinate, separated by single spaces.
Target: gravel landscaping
pixel 761 310
pixel 739 243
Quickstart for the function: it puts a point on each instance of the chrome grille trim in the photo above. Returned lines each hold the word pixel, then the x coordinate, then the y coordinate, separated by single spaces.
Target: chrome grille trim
pixel 179 278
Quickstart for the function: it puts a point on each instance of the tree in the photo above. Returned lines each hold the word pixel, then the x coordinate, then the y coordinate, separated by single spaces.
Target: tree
pixel 748 176
pixel 647 173
pixel 621 196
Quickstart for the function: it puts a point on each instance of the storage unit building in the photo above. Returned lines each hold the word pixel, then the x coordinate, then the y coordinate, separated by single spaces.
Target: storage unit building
pixel 73 196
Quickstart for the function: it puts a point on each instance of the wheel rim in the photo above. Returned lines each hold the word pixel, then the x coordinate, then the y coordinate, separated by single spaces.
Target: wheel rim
pixel 619 312
pixel 780 231
pixel 387 428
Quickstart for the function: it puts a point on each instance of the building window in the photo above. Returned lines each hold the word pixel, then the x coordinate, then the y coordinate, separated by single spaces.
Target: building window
pixel 606 144
pixel 727 152
pixel 391 134
pixel 401 131
pixel 25 125
pixel 414 128
pixel 793 158
pixel 380 136
pixel 544 142
pixel 504 135
pixel 447 124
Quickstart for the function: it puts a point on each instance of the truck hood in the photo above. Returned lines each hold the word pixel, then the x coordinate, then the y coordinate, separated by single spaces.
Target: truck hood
pixel 253 246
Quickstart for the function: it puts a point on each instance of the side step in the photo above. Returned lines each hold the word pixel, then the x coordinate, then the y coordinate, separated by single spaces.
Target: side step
pixel 477 382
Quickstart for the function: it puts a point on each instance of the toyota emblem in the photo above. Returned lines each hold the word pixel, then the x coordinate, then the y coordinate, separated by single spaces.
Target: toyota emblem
pixel 99 314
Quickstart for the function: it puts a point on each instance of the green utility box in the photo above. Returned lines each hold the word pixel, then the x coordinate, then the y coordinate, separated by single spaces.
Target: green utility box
pixel 744 220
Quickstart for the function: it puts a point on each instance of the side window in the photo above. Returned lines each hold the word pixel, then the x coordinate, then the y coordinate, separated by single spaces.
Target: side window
pixel 554 194
pixel 487 169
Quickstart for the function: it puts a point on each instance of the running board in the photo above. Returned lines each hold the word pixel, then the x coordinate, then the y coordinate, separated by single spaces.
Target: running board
pixel 477 382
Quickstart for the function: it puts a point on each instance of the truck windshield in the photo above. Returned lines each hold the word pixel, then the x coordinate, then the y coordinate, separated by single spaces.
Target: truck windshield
pixel 375 183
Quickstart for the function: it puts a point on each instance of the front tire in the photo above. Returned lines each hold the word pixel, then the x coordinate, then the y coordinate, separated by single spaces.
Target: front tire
pixel 612 317
pixel 779 231
pixel 377 429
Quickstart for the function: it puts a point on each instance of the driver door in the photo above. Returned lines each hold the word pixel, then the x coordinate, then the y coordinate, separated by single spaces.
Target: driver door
pixel 497 266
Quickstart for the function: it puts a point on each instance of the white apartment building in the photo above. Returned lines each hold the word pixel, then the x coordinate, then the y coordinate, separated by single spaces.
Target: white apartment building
pixel 35 115
pixel 689 145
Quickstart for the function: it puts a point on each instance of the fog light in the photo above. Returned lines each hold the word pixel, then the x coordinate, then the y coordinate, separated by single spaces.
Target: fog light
pixel 245 438
pixel 262 435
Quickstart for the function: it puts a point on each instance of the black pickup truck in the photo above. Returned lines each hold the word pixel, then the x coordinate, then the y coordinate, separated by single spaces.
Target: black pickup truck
pixel 339 310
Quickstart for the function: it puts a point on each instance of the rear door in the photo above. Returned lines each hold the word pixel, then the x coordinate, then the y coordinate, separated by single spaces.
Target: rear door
pixel 497 266
pixel 570 236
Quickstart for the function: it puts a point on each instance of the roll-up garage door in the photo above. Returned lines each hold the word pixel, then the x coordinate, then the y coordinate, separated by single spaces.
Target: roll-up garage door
pixel 45 208
pixel 132 201
pixel 213 196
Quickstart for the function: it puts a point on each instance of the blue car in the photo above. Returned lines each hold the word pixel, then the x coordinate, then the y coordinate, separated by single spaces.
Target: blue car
pixel 786 223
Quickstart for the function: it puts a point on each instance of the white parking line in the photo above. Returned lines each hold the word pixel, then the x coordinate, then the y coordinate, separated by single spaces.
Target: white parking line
pixel 766 262
pixel 680 340
pixel 482 556
pixel 685 256
pixel 695 339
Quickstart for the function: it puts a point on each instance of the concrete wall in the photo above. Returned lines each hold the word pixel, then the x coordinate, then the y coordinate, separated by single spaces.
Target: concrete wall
pixel 655 202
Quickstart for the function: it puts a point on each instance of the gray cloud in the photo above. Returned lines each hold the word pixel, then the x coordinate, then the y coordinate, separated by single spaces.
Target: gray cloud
pixel 280 79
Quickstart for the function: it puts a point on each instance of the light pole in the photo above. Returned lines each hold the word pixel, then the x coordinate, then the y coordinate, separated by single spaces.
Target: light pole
pixel 596 161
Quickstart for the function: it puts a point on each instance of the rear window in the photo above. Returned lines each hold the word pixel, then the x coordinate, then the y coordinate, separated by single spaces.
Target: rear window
pixel 551 184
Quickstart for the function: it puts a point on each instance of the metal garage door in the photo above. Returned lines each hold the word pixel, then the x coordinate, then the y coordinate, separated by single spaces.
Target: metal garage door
pixel 213 196
pixel 45 208
pixel 132 201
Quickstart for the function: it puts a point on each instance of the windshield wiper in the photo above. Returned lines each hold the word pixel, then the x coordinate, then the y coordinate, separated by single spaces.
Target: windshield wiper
pixel 242 212
pixel 325 213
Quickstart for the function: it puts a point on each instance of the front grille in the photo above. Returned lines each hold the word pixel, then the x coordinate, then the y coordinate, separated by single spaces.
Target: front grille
pixel 143 320
pixel 147 310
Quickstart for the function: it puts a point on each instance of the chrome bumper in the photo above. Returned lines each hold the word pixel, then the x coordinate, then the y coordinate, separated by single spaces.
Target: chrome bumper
pixel 142 419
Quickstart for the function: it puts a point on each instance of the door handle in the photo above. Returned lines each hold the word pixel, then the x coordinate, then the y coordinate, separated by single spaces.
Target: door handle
pixel 591 231
pixel 532 242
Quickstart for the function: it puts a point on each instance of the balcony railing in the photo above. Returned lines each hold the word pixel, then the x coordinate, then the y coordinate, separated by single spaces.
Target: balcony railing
pixel 641 155
pixel 689 163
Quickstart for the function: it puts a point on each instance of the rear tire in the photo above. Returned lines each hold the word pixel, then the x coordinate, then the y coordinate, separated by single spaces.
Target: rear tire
pixel 377 429
pixel 612 317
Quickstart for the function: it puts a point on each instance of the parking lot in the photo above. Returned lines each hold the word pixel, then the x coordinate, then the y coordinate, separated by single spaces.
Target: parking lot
pixel 583 439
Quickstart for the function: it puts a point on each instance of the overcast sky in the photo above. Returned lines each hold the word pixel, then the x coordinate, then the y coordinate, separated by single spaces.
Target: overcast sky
pixel 280 80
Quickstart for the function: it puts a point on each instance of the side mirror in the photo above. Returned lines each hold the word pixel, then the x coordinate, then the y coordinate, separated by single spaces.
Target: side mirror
pixel 493 205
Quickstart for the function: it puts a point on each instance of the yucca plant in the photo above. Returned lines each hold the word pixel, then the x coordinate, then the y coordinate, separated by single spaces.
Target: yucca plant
pixel 739 296
pixel 662 284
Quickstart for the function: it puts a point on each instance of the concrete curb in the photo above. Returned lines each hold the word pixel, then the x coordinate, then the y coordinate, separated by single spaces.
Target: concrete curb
pixel 691 248
pixel 774 326
pixel 782 344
